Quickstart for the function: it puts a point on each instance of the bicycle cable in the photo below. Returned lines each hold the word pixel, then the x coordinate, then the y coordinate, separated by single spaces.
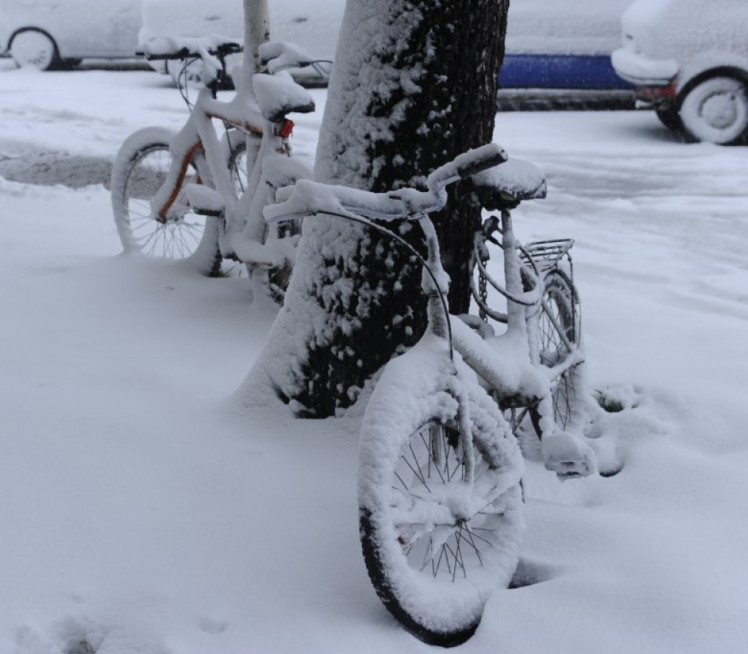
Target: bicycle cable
pixel 182 78
pixel 400 240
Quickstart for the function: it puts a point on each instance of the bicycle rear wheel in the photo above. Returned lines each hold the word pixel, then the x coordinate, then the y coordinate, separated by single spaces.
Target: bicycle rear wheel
pixel 434 545
pixel 559 327
pixel 140 169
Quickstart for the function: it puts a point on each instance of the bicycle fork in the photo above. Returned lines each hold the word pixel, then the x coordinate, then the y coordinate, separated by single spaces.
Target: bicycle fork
pixel 435 285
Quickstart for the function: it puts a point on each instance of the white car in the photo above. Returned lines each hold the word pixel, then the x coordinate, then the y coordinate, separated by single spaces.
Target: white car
pixel 47 34
pixel 550 44
pixel 688 59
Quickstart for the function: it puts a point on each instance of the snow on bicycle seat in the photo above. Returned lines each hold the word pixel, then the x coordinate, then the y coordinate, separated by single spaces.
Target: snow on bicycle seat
pixel 278 95
pixel 506 185
pixel 279 55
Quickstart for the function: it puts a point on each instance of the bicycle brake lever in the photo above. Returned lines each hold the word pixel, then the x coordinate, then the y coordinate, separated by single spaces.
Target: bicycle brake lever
pixel 491 225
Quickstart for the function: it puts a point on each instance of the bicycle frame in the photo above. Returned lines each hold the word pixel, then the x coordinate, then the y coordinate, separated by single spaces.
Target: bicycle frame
pixel 440 466
pixel 199 134
pixel 507 364
pixel 241 230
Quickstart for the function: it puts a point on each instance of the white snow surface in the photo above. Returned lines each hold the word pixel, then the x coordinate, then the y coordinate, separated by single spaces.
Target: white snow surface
pixel 142 510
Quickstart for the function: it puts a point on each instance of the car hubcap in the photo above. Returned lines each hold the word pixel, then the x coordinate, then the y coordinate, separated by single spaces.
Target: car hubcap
pixel 720 110
pixel 33 50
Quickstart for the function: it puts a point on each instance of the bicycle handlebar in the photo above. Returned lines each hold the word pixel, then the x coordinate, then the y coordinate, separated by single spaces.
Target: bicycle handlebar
pixel 467 164
pixel 308 197
pixel 162 48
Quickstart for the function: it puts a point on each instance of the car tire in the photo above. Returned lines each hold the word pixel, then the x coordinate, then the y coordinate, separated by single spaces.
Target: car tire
pixel 34 49
pixel 715 110
pixel 69 64
pixel 669 117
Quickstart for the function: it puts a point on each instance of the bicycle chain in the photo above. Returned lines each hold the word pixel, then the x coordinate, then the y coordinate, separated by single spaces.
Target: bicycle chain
pixel 483 294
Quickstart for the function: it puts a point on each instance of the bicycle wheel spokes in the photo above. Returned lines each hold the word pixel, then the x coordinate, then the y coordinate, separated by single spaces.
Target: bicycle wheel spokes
pixel 238 169
pixel 557 330
pixel 180 233
pixel 431 505
pixel 554 317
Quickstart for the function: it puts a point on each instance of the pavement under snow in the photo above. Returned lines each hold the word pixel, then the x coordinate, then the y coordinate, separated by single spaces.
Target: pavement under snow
pixel 142 512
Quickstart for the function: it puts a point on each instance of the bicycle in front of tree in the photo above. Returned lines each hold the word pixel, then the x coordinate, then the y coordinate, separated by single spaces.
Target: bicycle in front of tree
pixel 197 195
pixel 440 466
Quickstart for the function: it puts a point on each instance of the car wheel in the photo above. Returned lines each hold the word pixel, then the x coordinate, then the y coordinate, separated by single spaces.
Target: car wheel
pixel 715 110
pixel 34 49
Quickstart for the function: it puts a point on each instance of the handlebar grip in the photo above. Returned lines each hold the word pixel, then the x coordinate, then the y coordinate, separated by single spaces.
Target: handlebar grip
pixel 166 48
pixel 467 164
pixel 480 159
pixel 183 53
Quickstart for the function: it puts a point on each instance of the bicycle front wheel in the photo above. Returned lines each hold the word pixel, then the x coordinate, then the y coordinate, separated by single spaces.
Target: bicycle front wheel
pixel 435 544
pixel 140 169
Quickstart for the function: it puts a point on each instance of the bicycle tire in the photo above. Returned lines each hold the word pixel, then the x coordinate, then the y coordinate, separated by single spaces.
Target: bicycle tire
pixel 560 296
pixel 433 552
pixel 240 167
pixel 139 170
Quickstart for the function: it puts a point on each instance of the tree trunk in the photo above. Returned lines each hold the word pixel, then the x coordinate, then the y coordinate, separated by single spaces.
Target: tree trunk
pixel 414 85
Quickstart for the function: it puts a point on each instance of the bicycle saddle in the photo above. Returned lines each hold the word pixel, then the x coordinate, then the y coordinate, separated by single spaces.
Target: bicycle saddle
pixel 506 185
pixel 278 95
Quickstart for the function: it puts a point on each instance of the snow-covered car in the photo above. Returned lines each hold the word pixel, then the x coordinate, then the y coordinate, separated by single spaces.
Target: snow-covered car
pixel 313 26
pixel 688 59
pixel 46 34
pixel 550 44
pixel 562 45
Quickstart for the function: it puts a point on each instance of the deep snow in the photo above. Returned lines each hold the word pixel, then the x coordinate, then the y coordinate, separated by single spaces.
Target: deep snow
pixel 143 511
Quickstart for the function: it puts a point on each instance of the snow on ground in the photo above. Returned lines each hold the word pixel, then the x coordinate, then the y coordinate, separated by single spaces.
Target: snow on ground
pixel 142 512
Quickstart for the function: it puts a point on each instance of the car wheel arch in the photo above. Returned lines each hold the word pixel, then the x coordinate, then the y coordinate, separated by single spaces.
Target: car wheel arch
pixel 692 81
pixel 40 30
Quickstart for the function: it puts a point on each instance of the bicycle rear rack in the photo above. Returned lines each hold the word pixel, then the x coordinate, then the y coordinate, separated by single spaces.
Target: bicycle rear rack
pixel 538 256
pixel 545 254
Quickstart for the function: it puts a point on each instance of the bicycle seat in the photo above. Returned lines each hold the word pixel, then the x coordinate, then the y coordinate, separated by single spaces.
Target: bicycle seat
pixel 278 95
pixel 506 185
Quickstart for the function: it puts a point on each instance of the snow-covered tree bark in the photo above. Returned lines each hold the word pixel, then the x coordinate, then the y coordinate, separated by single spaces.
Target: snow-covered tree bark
pixel 414 84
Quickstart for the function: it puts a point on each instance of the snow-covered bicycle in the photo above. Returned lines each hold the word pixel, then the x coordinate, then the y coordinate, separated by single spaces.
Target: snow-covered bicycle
pixel 198 194
pixel 440 469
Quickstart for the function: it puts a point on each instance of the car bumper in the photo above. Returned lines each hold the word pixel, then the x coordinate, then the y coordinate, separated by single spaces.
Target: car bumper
pixel 642 71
